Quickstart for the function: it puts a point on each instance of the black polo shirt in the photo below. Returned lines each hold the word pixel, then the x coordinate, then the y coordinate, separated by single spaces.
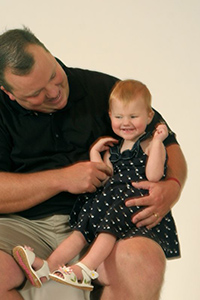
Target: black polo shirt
pixel 34 141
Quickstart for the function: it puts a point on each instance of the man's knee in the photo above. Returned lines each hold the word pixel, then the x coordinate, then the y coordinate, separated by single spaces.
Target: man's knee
pixel 144 257
pixel 139 258
pixel 11 275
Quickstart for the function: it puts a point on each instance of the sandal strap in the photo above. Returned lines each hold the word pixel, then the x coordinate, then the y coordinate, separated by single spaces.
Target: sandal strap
pixel 91 273
pixel 29 254
pixel 43 271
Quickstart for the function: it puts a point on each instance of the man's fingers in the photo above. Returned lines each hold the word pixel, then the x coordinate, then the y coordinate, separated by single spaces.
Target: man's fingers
pixel 141 201
pixel 141 185
pixel 104 169
pixel 141 215
pixel 99 174
pixel 146 218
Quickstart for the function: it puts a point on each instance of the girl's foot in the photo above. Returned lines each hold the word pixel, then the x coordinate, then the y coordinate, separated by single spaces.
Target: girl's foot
pixel 35 269
pixel 75 269
pixel 78 275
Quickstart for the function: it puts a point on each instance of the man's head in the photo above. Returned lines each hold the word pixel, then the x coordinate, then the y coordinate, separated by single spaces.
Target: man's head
pixel 14 54
pixel 29 74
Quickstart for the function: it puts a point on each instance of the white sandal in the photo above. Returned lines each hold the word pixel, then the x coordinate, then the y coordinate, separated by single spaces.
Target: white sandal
pixel 25 258
pixel 69 277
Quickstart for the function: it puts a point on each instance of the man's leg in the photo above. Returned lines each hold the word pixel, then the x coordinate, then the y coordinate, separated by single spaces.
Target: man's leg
pixel 11 277
pixel 134 270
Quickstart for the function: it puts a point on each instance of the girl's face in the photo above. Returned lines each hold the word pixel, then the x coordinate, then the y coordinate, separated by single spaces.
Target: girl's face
pixel 129 120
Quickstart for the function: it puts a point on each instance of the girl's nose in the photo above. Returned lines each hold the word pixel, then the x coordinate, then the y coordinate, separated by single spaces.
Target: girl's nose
pixel 126 121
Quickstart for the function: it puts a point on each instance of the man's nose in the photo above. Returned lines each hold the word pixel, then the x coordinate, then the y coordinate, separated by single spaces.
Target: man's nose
pixel 52 91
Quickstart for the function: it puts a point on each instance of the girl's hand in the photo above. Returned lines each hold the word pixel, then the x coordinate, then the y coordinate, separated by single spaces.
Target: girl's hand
pixel 161 132
pixel 103 144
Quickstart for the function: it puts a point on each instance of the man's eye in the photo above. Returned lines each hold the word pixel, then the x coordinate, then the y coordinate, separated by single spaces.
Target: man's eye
pixel 34 95
pixel 53 76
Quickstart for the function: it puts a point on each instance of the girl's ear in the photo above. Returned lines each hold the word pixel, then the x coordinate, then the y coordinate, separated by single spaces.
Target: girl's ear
pixel 150 116
pixel 10 95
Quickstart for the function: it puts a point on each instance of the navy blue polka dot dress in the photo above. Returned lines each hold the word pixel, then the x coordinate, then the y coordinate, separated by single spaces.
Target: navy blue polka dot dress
pixel 105 210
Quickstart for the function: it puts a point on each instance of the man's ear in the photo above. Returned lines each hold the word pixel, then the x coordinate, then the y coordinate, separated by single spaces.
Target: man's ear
pixel 10 95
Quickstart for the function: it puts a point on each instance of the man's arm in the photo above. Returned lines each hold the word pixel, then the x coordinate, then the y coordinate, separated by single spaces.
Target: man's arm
pixel 176 164
pixel 23 191
pixel 163 194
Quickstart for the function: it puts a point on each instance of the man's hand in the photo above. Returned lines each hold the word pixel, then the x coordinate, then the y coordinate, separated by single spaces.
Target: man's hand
pixel 162 196
pixel 84 177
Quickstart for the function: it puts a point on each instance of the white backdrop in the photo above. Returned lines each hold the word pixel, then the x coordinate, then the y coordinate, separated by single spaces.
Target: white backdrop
pixel 157 42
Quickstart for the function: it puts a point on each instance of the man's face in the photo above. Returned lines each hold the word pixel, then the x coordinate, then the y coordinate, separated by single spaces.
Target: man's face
pixel 44 89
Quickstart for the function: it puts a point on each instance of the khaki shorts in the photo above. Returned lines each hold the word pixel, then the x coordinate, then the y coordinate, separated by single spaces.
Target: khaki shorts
pixel 42 235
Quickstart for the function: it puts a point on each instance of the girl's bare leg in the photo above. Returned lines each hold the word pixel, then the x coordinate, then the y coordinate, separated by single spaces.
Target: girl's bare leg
pixel 98 252
pixel 66 251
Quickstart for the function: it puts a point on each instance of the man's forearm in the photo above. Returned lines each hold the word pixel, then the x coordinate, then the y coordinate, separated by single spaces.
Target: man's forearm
pixel 176 166
pixel 22 191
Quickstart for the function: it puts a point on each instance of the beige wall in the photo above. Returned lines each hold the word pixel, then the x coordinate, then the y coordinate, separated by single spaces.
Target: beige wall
pixel 157 42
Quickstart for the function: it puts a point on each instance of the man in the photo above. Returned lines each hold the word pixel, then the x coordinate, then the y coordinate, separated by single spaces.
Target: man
pixel 49 117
